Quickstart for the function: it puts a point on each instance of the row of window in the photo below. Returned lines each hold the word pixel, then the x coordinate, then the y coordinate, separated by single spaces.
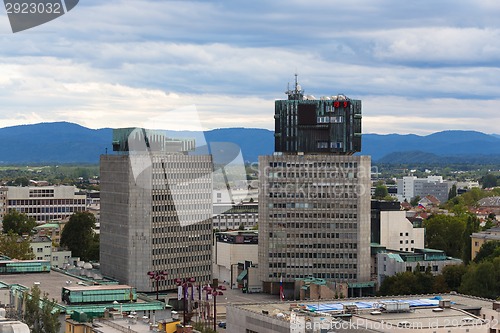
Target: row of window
pixel 176 240
pixel 314 165
pixel 313 235
pixel 314 216
pixel 336 255
pixel 333 174
pixel 178 229
pixel 45 202
pixel 43 210
pixel 181 249
pixel 182 260
pixel 311 225
pixel 169 165
pixel 330 120
pixel 184 207
pixel 316 265
pixel 340 276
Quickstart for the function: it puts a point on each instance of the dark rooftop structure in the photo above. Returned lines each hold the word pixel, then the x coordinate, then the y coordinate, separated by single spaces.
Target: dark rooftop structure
pixel 304 124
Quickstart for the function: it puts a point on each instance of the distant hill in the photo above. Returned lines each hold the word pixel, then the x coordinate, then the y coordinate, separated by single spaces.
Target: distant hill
pixel 59 142
pixel 446 143
pixel 419 157
pixel 63 142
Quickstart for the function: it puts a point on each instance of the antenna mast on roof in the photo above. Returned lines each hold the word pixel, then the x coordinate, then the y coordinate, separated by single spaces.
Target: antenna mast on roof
pixel 297 93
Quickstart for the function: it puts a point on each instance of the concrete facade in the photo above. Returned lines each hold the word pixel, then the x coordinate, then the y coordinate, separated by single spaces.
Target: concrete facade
pixel 41 246
pixel 314 218
pixel 46 203
pixel 231 249
pixel 397 232
pixel 158 219
pixel 231 217
pixel 411 186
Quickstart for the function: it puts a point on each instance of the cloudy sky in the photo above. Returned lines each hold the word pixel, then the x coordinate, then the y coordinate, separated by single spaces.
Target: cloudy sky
pixel 418 66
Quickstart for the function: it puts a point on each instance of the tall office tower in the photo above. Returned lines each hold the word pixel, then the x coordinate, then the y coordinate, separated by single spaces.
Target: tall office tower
pixel 156 210
pixel 314 199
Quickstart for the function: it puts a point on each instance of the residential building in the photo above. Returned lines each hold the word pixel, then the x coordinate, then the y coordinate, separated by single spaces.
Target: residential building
pixel 232 250
pixel 41 247
pixel 429 201
pixel 391 262
pixel 60 257
pixel 45 203
pixel 490 205
pixel 479 238
pixel 314 198
pixel 52 230
pixel 156 211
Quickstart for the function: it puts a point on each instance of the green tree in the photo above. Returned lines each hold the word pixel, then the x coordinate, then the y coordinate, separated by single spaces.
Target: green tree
pixel 414 201
pixel 453 275
pixel 482 279
pixel 94 248
pixel 399 284
pixel 445 233
pixel 15 247
pixel 381 192
pixel 21 181
pixel 488 251
pixel 78 235
pixel 453 192
pixel 40 313
pixel 406 283
pixel 241 227
pixel 439 284
pixel 18 223
pixel 490 180
pixel 471 225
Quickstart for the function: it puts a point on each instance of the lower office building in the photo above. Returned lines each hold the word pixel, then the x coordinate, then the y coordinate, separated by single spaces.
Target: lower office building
pixel 235 216
pixel 443 313
pixel 314 219
pixel 46 203
pixel 157 220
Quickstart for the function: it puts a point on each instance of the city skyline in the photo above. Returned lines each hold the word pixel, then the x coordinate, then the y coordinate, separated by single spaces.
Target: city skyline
pixel 418 68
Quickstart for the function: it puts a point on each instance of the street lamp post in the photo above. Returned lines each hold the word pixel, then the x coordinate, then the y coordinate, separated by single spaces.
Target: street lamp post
pixel 216 291
pixel 157 276
pixel 185 283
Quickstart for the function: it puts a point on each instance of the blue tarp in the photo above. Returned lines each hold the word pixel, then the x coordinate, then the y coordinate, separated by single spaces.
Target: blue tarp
pixel 338 306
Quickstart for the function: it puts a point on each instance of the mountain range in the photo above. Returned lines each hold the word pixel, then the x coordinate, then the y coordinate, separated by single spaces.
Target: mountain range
pixel 64 142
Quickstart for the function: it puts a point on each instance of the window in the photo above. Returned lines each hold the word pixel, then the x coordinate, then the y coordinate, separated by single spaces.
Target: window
pixel 322 144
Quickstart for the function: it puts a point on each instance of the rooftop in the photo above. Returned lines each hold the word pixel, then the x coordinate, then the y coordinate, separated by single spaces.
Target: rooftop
pixel 53 282
pixel 421 314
